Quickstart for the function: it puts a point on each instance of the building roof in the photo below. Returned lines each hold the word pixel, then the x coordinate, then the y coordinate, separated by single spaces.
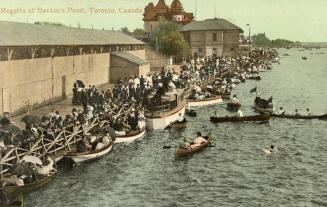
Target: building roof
pixel 130 57
pixel 210 24
pixel 23 34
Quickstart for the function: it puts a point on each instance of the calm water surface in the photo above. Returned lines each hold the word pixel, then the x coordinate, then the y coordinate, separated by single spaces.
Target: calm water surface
pixel 233 173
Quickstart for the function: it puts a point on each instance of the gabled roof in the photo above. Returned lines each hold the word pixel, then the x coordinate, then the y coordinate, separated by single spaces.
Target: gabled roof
pixel 23 34
pixel 210 24
pixel 130 57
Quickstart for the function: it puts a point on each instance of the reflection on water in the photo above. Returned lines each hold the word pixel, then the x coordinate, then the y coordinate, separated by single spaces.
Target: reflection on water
pixel 233 173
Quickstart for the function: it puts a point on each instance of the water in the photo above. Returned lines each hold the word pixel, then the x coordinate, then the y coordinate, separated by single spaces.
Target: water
pixel 233 173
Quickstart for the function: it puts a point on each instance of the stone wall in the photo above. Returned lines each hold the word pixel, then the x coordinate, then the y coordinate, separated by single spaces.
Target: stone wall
pixel 44 80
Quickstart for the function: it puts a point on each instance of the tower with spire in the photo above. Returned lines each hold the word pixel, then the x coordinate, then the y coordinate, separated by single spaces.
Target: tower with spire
pixel 161 12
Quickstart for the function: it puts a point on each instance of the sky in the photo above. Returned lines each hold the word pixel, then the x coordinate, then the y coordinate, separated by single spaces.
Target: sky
pixel 296 20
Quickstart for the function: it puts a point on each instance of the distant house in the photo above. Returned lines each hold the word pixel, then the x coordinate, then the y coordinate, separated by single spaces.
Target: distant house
pixel 212 37
pixel 155 15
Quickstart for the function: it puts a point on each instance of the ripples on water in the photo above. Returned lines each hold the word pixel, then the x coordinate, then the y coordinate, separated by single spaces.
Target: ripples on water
pixel 233 173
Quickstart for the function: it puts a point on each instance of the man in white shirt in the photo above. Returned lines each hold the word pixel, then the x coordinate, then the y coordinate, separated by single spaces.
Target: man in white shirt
pixel 239 113
pixel 235 100
pixel 199 140
pixel 180 118
pixel 280 111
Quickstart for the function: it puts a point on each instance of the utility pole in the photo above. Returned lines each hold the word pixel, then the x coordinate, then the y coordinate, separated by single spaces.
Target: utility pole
pixel 249 39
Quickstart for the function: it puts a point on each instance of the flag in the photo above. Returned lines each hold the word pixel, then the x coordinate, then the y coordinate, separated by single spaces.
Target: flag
pixel 253 90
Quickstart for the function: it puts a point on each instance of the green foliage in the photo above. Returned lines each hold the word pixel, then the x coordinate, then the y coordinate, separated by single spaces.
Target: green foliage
pixel 125 30
pixel 281 43
pixel 170 41
pixel 138 32
pixel 261 40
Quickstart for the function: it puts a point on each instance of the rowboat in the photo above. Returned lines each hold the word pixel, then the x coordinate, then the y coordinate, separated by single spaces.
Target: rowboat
pixel 31 186
pixel 178 125
pixel 193 150
pixel 261 117
pixel 284 116
pixel 90 155
pixel 130 137
pixel 233 106
pixel 205 101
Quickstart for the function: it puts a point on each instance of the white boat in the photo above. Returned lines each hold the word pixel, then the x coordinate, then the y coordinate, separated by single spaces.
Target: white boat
pixel 130 137
pixel 91 155
pixel 171 108
pixel 204 102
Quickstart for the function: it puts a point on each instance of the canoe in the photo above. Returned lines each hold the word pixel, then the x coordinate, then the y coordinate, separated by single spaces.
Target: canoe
pixel 193 150
pixel 190 112
pixel 130 137
pixel 255 78
pixel 233 106
pixel 300 117
pixel 30 187
pixel 89 156
pixel 261 117
pixel 205 101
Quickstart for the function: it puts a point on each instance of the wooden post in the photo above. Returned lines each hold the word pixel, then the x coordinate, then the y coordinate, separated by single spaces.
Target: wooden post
pixel 9 53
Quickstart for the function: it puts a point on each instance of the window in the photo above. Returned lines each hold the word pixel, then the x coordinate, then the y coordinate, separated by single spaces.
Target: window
pixel 214 37
pixel 200 50
pixel 214 51
pixel 232 49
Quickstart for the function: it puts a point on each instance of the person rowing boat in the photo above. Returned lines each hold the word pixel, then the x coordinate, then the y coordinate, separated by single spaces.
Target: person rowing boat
pixel 308 112
pixel 280 111
pixel 272 149
pixel 184 144
pixel 235 100
pixel 199 140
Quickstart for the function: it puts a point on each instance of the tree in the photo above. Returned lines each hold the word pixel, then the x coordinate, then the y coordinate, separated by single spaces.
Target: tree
pixel 138 32
pixel 174 44
pixel 125 30
pixel 170 41
pixel 261 40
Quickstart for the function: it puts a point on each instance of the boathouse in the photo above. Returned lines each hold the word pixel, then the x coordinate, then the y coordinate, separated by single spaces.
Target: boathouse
pixel 39 63
pixel 212 37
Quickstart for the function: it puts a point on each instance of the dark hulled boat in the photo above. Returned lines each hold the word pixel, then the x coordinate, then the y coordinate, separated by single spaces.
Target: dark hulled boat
pixel 284 116
pixel 261 117
pixel 32 186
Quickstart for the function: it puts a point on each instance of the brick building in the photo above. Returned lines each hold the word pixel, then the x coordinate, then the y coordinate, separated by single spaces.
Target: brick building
pixel 154 15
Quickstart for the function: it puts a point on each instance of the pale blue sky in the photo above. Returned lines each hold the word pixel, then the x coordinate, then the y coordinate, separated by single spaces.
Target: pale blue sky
pixel 303 20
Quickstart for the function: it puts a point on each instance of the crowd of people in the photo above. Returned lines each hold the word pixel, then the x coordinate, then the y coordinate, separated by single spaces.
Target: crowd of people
pixel 132 94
